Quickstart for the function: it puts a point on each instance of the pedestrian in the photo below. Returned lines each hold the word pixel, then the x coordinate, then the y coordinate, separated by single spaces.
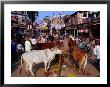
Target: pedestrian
pixel 39 43
pixel 77 41
pixel 19 50
pixel 51 37
pixel 13 50
pixel 83 44
pixel 43 39
pixel 33 42
pixel 28 46
pixel 97 54
pixel 65 41
pixel 46 38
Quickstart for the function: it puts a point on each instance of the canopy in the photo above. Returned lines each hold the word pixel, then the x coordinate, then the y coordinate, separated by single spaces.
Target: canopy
pixel 43 28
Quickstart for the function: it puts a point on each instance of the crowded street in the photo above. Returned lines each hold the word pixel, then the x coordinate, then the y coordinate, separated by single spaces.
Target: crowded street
pixel 55 44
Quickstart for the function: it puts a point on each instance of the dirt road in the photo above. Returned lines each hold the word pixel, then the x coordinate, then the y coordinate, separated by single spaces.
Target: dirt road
pixel 67 71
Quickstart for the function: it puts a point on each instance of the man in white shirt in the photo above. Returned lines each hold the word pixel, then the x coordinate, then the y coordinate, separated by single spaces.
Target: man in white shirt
pixel 97 54
pixel 27 45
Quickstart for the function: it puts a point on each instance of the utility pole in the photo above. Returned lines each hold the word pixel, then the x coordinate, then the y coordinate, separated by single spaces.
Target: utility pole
pixel 60 21
pixel 51 31
pixel 51 26
pixel 60 61
pixel 59 66
pixel 60 16
pixel 26 18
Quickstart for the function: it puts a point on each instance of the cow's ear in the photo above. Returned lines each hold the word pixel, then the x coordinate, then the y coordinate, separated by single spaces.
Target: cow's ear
pixel 59 47
pixel 52 49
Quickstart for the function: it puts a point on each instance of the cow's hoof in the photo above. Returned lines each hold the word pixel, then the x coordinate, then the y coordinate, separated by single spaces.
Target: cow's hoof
pixel 78 73
pixel 88 74
pixel 46 74
pixel 84 73
pixel 98 75
pixel 28 74
pixel 20 71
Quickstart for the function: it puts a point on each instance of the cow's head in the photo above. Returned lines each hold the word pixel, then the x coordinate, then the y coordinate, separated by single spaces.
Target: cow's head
pixel 56 50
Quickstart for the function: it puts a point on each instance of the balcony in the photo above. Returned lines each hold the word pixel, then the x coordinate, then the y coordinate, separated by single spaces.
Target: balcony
pixel 86 21
pixel 18 25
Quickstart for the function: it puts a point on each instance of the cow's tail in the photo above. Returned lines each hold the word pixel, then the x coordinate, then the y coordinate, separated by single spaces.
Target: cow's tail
pixel 83 62
pixel 21 63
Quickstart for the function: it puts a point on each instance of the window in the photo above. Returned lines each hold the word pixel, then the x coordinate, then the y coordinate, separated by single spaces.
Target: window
pixel 85 14
pixel 23 19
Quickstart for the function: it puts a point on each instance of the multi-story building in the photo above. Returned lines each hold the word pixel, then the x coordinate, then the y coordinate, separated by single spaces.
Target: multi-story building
pixel 20 16
pixel 57 23
pixel 19 21
pixel 81 22
pixel 71 22
pixel 95 23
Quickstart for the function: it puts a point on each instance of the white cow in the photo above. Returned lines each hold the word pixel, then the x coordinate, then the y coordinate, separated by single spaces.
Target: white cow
pixel 39 56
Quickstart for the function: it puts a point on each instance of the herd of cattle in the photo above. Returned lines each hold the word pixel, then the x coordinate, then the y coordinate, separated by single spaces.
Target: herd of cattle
pixel 48 52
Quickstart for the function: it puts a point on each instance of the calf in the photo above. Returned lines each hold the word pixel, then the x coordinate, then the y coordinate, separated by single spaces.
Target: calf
pixel 39 56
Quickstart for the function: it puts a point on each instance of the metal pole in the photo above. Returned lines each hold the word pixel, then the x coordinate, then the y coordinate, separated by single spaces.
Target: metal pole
pixel 26 18
pixel 74 32
pixel 77 32
pixel 59 67
pixel 51 26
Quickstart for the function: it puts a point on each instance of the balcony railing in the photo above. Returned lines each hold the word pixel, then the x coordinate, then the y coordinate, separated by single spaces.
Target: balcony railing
pixel 19 25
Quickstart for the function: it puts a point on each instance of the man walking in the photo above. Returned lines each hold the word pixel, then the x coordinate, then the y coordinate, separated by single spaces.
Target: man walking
pixel 97 54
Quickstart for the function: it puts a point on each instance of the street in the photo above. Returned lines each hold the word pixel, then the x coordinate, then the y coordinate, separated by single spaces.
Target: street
pixel 68 71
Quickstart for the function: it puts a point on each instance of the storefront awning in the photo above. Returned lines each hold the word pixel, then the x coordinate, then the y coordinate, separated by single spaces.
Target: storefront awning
pixel 83 30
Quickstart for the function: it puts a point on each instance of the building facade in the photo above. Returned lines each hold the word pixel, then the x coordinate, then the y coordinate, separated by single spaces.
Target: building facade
pixel 81 22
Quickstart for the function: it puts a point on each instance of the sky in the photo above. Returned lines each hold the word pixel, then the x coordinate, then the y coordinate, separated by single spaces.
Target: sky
pixel 43 14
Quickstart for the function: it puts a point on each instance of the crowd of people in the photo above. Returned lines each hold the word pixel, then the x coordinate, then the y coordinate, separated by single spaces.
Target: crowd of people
pixel 33 41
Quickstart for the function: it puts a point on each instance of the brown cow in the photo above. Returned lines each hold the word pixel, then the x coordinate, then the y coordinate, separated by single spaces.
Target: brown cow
pixel 42 46
pixel 79 55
